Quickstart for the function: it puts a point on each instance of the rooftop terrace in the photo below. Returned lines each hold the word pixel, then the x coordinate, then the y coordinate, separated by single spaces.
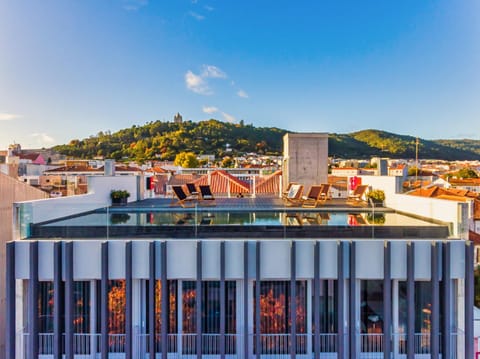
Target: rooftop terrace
pixel 264 217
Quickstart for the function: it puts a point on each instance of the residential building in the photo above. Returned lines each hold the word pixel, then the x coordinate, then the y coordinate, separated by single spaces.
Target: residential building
pixel 248 278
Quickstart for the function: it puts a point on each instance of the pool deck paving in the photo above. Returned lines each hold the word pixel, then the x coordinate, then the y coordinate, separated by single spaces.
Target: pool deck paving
pixel 247 203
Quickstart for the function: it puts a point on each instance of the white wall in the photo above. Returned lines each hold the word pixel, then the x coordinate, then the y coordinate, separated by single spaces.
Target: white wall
pixel 98 196
pixel 448 211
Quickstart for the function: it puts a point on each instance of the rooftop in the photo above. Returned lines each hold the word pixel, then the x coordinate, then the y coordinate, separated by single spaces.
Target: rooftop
pixel 262 217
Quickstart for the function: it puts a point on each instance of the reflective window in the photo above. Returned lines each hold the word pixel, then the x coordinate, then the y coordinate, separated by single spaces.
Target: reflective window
pixel 275 322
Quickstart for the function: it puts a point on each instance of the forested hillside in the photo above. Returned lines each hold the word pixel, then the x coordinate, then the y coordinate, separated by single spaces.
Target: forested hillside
pixel 163 140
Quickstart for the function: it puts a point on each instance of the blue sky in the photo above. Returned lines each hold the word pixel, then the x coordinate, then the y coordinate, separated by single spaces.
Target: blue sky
pixel 69 69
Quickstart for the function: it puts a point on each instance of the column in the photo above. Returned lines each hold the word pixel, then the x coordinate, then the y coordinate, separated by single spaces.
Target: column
pixel 245 299
pixel 387 301
pixel 469 294
pixel 165 306
pixel 435 317
pixel 258 343
pixel 411 300
pixel 293 304
pixel 69 304
pixel 128 301
pixel 32 302
pixel 10 293
pixel 352 312
pixel 151 299
pixel 104 302
pixel 198 300
pixel 446 293
pixel 316 297
pixel 222 300
pixel 341 301
pixel 57 300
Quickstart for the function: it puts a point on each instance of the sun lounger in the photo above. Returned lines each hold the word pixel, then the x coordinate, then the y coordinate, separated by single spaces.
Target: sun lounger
pixel 314 197
pixel 182 198
pixel 287 190
pixel 206 195
pixel 294 195
pixel 325 194
pixel 192 190
pixel 357 195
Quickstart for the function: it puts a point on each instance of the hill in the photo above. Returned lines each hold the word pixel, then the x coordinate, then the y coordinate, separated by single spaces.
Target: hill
pixel 163 140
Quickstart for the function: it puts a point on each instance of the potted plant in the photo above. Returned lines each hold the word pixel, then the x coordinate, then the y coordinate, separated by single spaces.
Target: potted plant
pixel 376 218
pixel 377 196
pixel 119 197
pixel 119 218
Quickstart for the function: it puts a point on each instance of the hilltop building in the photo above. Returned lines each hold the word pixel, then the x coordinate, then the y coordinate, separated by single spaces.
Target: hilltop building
pixel 178 118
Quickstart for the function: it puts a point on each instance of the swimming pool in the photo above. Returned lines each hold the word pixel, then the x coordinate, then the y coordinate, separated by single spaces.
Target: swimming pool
pixel 243 218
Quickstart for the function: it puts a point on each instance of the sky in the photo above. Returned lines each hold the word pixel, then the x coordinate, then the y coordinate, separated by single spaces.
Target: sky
pixel 72 68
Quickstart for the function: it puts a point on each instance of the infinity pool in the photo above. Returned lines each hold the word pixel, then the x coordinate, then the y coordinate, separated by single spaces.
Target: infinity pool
pixel 260 218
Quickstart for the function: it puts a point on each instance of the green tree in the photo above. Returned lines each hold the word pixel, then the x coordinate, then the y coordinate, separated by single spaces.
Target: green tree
pixel 467 173
pixel 227 162
pixel 186 160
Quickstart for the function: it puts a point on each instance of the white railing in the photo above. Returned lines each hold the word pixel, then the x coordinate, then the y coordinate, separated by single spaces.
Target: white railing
pixel 182 345
pixel 279 344
pixel 371 343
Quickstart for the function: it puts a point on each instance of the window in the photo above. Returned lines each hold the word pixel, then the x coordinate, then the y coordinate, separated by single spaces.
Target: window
pixel 275 318
pixel 210 317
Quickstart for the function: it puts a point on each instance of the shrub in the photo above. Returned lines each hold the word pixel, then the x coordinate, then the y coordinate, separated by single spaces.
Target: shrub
pixel 377 195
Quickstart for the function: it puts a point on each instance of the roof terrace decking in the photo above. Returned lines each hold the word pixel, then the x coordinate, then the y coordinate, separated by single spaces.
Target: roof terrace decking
pixel 264 217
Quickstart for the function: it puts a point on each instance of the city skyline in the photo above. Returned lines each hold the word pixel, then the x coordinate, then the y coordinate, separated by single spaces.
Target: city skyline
pixel 71 69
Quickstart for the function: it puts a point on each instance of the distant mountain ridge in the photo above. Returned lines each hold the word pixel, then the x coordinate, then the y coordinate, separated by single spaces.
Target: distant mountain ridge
pixel 163 140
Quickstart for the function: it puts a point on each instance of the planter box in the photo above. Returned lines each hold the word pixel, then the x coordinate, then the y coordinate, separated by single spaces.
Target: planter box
pixel 116 202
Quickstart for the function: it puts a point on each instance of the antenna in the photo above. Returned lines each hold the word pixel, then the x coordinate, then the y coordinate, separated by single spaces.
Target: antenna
pixel 416 159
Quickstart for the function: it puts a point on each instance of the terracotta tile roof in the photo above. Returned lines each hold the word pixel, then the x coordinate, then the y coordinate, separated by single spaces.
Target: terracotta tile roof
pixel 29 156
pixel 124 168
pixel 157 169
pixel 476 209
pixel 269 184
pixel 75 168
pixel 474 237
pixel 223 182
pixel 181 179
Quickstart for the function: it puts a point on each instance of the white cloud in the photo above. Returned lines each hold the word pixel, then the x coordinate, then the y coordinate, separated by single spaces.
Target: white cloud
pixel 242 94
pixel 209 8
pixel 213 71
pixel 196 16
pixel 9 116
pixel 197 84
pixel 228 118
pixel 43 139
pixel 209 109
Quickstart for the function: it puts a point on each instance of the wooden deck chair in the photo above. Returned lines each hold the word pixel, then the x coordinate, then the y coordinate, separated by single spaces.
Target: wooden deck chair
pixel 325 192
pixel 313 197
pixel 206 195
pixel 192 190
pixel 294 195
pixel 357 195
pixel 182 198
pixel 289 186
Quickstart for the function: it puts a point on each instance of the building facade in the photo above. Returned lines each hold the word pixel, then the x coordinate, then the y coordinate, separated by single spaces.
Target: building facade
pixel 240 298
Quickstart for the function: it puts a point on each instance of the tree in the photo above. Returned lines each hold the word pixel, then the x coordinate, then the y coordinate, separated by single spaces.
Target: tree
pixel 467 173
pixel 186 160
pixel 227 162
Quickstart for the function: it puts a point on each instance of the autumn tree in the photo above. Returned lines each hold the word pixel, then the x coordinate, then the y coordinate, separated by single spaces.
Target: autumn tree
pixel 186 160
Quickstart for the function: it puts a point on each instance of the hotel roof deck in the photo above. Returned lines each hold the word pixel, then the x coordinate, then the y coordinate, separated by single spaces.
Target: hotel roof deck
pixel 262 217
